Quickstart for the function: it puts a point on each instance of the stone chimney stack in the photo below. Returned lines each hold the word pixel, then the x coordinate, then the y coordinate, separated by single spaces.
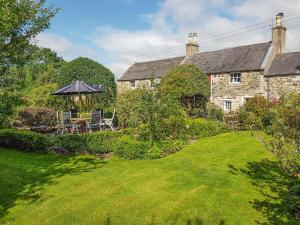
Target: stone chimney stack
pixel 192 46
pixel 279 35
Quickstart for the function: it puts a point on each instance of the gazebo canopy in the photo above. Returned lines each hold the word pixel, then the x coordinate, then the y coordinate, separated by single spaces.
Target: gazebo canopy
pixel 79 87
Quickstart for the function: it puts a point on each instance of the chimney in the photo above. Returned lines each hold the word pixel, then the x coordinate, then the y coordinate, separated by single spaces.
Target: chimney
pixel 192 46
pixel 279 35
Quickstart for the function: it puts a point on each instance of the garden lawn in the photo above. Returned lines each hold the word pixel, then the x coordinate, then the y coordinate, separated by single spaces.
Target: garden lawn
pixel 227 179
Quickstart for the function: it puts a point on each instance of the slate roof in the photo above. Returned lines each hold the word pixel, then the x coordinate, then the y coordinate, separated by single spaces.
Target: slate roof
pixel 285 64
pixel 152 69
pixel 242 58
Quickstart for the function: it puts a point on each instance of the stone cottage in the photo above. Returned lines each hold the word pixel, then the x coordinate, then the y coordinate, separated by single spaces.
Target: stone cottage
pixel 235 74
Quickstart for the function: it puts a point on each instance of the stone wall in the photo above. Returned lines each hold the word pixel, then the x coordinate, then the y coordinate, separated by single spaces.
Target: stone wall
pixel 125 85
pixel 251 84
pixel 279 85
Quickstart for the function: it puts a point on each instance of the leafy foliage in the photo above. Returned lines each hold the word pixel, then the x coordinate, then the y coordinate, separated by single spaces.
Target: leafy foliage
pixel 198 128
pixel 41 96
pixel 92 73
pixel 189 85
pixel 155 118
pixel 31 117
pixel 285 133
pixel 129 148
pixel 256 113
pixel 214 112
pixel 20 21
pixel 42 67
pixel 24 140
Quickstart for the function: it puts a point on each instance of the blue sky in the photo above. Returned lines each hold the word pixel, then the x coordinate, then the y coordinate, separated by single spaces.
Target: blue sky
pixel 78 17
pixel 118 33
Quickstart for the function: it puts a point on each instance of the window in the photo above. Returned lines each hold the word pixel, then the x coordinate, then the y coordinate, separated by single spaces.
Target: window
pixel 132 83
pixel 155 82
pixel 227 105
pixel 235 78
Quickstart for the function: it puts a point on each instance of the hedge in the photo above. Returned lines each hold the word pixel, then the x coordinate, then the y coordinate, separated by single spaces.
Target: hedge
pixel 97 142
pixel 198 128
pixel 129 148
pixel 24 140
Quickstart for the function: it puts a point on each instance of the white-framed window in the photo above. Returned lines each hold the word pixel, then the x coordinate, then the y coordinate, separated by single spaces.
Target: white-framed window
pixel 235 78
pixel 246 99
pixel 132 83
pixel 227 104
pixel 155 82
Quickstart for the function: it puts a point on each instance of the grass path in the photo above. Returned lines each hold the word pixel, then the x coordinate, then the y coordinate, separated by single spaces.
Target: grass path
pixel 226 179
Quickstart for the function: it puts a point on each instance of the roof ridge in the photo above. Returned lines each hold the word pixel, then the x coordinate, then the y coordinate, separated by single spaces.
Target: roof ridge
pixel 291 53
pixel 261 43
pixel 177 57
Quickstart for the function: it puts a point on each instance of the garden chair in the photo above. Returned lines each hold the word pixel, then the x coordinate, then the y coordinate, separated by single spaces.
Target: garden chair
pixel 96 122
pixel 109 121
pixel 67 123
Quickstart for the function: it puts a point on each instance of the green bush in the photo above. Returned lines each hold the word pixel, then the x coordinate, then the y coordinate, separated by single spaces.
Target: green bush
pixel 24 140
pixel 198 128
pixel 171 146
pixel 74 143
pixel 31 117
pixel 214 112
pixel 97 142
pixel 129 148
pixel 102 141
pixel 154 152
pixel 256 113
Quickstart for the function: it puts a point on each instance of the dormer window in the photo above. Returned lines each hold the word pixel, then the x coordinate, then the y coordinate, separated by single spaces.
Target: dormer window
pixel 235 78
pixel 132 83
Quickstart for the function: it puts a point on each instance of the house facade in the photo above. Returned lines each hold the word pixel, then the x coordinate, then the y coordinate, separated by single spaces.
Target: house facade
pixel 236 74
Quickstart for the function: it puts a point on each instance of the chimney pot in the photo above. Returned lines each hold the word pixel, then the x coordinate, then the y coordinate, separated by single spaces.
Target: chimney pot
pixel 192 46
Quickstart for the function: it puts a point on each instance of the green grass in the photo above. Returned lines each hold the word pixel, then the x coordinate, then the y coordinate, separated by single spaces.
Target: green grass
pixel 227 179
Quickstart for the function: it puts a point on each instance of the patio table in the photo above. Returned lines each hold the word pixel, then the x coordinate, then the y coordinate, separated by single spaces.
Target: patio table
pixel 81 122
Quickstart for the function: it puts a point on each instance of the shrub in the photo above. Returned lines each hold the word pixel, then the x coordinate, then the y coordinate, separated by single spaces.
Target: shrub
pixel 31 117
pixel 24 140
pixel 41 96
pixel 214 112
pixel 171 146
pixel 74 143
pixel 189 85
pixel 255 114
pixel 155 152
pixel 129 148
pixel 205 128
pixel 97 142
pixel 102 141
pixel 284 133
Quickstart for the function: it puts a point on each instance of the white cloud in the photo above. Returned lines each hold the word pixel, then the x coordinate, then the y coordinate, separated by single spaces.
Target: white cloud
pixel 174 20
pixel 65 47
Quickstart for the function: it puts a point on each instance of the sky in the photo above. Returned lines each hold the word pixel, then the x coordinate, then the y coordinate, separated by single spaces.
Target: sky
pixel 117 33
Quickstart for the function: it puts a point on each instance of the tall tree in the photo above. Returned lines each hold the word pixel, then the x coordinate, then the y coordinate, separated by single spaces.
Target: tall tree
pixel 189 85
pixel 92 73
pixel 20 22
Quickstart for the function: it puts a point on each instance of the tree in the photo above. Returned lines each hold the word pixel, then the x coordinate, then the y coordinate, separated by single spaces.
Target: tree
pixel 155 118
pixel 189 85
pixel 91 72
pixel 284 133
pixel 42 67
pixel 20 22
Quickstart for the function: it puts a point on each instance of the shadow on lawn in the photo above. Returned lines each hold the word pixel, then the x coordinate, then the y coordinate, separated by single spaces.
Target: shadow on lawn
pixel 26 178
pixel 175 221
pixel 272 183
